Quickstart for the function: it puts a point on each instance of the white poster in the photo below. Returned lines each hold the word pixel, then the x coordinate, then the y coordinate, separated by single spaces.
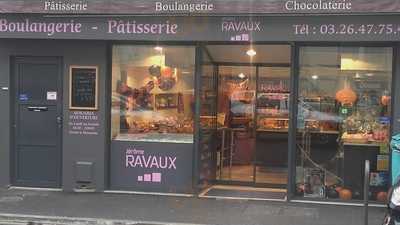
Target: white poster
pixel 52 95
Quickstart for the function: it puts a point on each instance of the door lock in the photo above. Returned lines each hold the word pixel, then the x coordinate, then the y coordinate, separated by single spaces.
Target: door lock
pixel 59 119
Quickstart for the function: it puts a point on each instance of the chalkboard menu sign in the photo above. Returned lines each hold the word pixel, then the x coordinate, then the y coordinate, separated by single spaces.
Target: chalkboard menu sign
pixel 83 87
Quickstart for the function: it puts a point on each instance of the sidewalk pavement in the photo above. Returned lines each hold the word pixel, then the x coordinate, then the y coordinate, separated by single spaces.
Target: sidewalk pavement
pixel 19 206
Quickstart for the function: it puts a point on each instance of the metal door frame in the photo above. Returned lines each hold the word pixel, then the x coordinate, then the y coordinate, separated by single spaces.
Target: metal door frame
pixel 291 65
pixel 14 86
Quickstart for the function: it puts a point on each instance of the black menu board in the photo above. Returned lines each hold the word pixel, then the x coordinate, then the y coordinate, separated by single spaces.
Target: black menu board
pixel 83 88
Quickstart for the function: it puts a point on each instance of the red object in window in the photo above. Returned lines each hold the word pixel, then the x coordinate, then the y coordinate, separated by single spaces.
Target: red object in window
pixel 166 72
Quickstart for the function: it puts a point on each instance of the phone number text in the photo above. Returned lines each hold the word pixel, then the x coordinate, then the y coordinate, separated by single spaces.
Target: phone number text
pixel 346 29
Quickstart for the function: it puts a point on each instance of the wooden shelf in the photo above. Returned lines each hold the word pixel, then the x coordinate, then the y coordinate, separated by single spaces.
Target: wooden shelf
pixel 321 131
pixel 274 118
pixel 371 144
pixel 273 130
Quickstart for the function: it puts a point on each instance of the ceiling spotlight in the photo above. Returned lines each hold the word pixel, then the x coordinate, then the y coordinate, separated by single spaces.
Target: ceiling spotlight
pixel 251 52
pixel 241 75
pixel 314 77
pixel 158 48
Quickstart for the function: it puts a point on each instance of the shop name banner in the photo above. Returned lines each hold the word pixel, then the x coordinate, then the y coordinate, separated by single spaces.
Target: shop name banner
pixel 137 159
pixel 151 166
pixel 248 29
pixel 197 6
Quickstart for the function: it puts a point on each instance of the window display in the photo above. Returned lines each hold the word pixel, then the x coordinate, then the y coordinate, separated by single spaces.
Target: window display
pixel 273 99
pixel 153 93
pixel 343 119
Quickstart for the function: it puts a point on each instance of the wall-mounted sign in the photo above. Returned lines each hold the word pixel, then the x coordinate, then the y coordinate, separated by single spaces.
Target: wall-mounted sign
pixel 83 88
pixel 84 123
pixel 149 166
pixel 198 6
pixel 51 95
pixel 199 28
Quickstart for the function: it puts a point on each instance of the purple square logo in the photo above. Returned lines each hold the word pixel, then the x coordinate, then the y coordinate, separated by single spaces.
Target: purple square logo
pixel 147 178
pixel 156 177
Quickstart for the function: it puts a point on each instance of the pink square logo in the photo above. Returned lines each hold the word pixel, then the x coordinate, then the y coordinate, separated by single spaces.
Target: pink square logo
pixel 156 177
pixel 245 37
pixel 140 178
pixel 147 177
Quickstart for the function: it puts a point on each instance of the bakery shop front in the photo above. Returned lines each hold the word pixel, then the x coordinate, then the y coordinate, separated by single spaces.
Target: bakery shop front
pixel 204 100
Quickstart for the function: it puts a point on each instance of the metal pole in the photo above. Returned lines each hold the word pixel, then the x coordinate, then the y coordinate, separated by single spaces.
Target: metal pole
pixel 366 191
pixel 221 164
pixel 231 152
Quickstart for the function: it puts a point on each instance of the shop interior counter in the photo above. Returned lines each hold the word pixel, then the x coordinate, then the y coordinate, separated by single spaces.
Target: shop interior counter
pixel 355 155
pixel 156 137
pixel 272 147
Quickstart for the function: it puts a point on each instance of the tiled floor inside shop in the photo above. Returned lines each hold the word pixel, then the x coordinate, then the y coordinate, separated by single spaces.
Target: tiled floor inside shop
pixel 245 173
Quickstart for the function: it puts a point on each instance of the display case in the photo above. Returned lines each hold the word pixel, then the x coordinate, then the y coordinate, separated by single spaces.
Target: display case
pixel 242 109
pixel 273 99
pixel 318 114
pixel 273 105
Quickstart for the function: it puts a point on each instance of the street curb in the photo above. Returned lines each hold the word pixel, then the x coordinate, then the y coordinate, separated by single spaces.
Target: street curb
pixel 61 220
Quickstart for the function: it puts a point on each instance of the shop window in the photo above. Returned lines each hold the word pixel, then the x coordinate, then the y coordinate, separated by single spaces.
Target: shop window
pixel 153 93
pixel 343 119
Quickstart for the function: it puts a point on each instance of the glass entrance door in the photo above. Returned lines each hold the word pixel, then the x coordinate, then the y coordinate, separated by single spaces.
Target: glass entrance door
pixel 236 107
pixel 272 128
pixel 252 113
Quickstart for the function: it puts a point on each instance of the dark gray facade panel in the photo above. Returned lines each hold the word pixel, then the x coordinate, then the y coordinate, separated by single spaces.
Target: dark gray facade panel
pixel 87 148
pixel 4 118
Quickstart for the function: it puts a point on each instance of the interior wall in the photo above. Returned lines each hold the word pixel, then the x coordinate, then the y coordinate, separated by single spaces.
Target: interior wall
pixel 74 147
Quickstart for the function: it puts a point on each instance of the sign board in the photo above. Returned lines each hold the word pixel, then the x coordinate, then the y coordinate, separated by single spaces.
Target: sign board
pixel 226 29
pixel 83 88
pixel 151 166
pixel 196 7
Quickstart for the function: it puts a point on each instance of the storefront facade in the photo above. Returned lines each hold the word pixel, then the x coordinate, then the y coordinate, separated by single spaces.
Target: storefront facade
pixel 290 95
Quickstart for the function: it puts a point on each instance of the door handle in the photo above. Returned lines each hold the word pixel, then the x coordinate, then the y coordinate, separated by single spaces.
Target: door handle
pixel 37 108
pixel 59 119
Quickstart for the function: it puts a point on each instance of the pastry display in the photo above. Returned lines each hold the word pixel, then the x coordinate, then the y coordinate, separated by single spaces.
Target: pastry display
pixel 167 125
pixel 272 123
pixel 364 128
pixel 355 138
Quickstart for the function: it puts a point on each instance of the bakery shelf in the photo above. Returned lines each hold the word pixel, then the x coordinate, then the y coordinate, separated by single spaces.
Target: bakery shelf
pixel 273 118
pixel 321 131
pixel 373 144
pixel 273 130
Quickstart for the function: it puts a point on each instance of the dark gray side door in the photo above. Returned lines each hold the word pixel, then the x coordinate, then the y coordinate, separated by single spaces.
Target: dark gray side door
pixel 37 121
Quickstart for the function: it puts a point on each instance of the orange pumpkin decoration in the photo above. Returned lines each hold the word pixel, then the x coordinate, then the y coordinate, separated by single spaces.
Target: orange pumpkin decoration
pixel 345 194
pixel 385 100
pixel 338 189
pixel 166 72
pixel 346 96
pixel 382 196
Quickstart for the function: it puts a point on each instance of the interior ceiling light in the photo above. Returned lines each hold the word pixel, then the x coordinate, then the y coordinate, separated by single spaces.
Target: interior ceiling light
pixel 158 48
pixel 314 77
pixel 241 75
pixel 251 52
